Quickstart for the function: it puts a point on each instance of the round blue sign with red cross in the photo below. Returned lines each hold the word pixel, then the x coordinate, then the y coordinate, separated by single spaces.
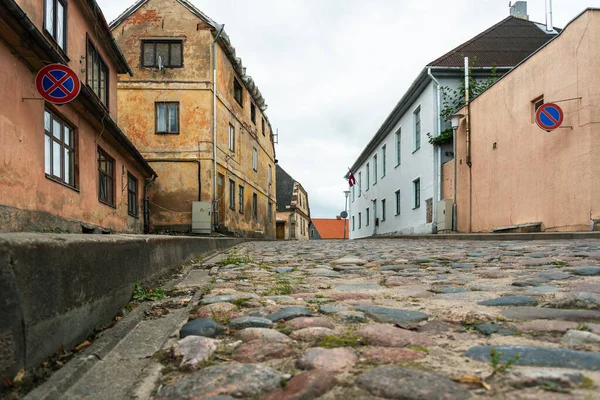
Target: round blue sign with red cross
pixel 57 83
pixel 549 116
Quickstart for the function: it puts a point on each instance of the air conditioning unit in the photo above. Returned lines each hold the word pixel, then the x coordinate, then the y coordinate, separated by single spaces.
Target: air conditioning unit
pixel 201 217
pixel 444 216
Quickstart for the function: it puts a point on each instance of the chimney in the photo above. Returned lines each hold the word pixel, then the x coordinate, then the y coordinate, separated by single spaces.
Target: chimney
pixel 338 217
pixel 519 10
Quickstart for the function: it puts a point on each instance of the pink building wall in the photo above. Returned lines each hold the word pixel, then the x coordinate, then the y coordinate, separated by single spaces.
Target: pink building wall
pixel 521 173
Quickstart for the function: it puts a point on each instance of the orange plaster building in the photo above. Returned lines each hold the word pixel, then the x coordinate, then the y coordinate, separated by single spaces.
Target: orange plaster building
pixel 70 167
pixel 520 175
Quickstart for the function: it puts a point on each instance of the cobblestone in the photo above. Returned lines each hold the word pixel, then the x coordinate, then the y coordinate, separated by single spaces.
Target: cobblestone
pixel 343 315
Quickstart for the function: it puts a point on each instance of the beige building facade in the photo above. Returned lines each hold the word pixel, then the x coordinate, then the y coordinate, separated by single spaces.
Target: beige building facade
pixel 166 109
pixel 293 210
pixel 511 172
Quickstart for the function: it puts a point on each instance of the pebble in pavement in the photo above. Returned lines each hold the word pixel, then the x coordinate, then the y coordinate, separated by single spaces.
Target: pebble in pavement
pixel 393 319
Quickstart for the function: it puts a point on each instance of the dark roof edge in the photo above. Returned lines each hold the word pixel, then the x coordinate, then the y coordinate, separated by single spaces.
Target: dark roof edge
pixel 539 49
pixel 392 118
pixel 114 47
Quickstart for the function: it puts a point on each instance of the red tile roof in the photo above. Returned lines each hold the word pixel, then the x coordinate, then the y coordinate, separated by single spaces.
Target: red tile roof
pixel 331 228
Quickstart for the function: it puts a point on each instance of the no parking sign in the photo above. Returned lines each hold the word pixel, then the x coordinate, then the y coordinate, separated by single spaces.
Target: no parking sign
pixel 549 116
pixel 57 83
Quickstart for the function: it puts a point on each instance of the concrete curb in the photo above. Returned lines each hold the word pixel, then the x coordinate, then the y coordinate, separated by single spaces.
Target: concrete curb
pixel 497 236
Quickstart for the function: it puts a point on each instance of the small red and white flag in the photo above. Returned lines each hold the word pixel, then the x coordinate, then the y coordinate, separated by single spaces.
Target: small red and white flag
pixel 351 179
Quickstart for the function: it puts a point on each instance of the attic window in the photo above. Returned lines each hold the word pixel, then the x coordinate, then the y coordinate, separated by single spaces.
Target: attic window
pixel 170 53
pixel 237 91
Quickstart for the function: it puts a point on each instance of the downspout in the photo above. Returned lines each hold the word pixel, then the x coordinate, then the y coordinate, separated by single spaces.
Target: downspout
pixel 147 205
pixel 438 167
pixel 214 196
pixel 468 127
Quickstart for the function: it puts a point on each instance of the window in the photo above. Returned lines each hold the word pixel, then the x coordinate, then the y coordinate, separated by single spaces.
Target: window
pixel 59 149
pixel 359 221
pixel 237 91
pixel 106 178
pixel 254 205
pixel 359 185
pixel 167 117
pixel 169 52
pixel 397 193
pixel 536 103
pixel 398 147
pixel 231 138
pixel 263 127
pixel 382 210
pixel 374 169
pixel 367 176
pixel 353 193
pixel 241 199
pixel 132 191
pixel 55 21
pixel 417 129
pixel 353 222
pixel 312 233
pixel 254 159
pixel 253 113
pixel 270 212
pixel 383 161
pixel 417 192
pixel 367 217
pixel 270 175
pixel 231 194
pixel 97 74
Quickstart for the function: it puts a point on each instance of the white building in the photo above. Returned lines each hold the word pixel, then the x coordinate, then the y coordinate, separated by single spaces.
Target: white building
pixel 398 174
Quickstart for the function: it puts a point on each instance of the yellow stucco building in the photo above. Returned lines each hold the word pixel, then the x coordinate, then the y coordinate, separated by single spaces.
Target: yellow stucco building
pixel 167 110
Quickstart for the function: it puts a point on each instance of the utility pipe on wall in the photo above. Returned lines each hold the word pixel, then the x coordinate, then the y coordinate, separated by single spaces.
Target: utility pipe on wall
pixel 467 128
pixel 215 206
pixel 438 170
pixel 549 26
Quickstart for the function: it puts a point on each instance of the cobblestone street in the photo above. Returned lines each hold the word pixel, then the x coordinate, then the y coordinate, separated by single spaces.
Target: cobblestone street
pixel 410 319
pixel 368 319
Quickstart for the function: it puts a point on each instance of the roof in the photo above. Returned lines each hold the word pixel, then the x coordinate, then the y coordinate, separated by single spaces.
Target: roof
pixel 284 188
pixel 114 48
pixel 505 44
pixel 224 41
pixel 560 31
pixel 329 228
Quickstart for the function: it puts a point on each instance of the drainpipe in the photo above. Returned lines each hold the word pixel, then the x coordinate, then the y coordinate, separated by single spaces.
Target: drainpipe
pixel 468 124
pixel 147 205
pixel 215 206
pixel 438 169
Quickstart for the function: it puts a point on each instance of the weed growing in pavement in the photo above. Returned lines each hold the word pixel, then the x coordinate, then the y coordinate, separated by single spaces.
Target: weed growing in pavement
pixel 239 302
pixel 141 294
pixel 583 327
pixel 587 383
pixel 281 287
pixel 348 339
pixel 501 366
pixel 418 348
pixel 234 258
pixel 551 386
pixel 559 263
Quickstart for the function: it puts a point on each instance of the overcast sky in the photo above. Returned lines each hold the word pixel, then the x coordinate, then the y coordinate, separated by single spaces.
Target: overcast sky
pixel 331 71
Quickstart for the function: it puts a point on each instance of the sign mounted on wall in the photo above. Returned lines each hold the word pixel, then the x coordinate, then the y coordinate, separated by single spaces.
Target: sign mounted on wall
pixel 549 116
pixel 57 83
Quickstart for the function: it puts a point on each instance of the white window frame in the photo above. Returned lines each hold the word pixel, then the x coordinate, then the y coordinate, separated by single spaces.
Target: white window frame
pixel 231 138
pixel 416 183
pixel 383 161
pixel 374 169
pixel 417 129
pixel 398 146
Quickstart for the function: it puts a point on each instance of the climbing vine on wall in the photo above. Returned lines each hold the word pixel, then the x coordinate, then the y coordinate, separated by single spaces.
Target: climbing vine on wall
pixel 454 99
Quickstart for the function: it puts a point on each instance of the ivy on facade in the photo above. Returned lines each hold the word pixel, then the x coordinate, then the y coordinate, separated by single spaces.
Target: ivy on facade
pixel 454 99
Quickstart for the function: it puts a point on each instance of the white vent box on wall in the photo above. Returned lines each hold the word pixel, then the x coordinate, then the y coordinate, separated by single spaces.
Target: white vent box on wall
pixel 201 217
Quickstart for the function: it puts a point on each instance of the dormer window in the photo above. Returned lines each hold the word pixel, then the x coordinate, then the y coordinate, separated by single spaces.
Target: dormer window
pixel 165 53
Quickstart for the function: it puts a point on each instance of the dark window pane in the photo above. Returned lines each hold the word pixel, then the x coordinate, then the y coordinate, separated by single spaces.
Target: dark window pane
pixel 149 55
pixel 176 56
